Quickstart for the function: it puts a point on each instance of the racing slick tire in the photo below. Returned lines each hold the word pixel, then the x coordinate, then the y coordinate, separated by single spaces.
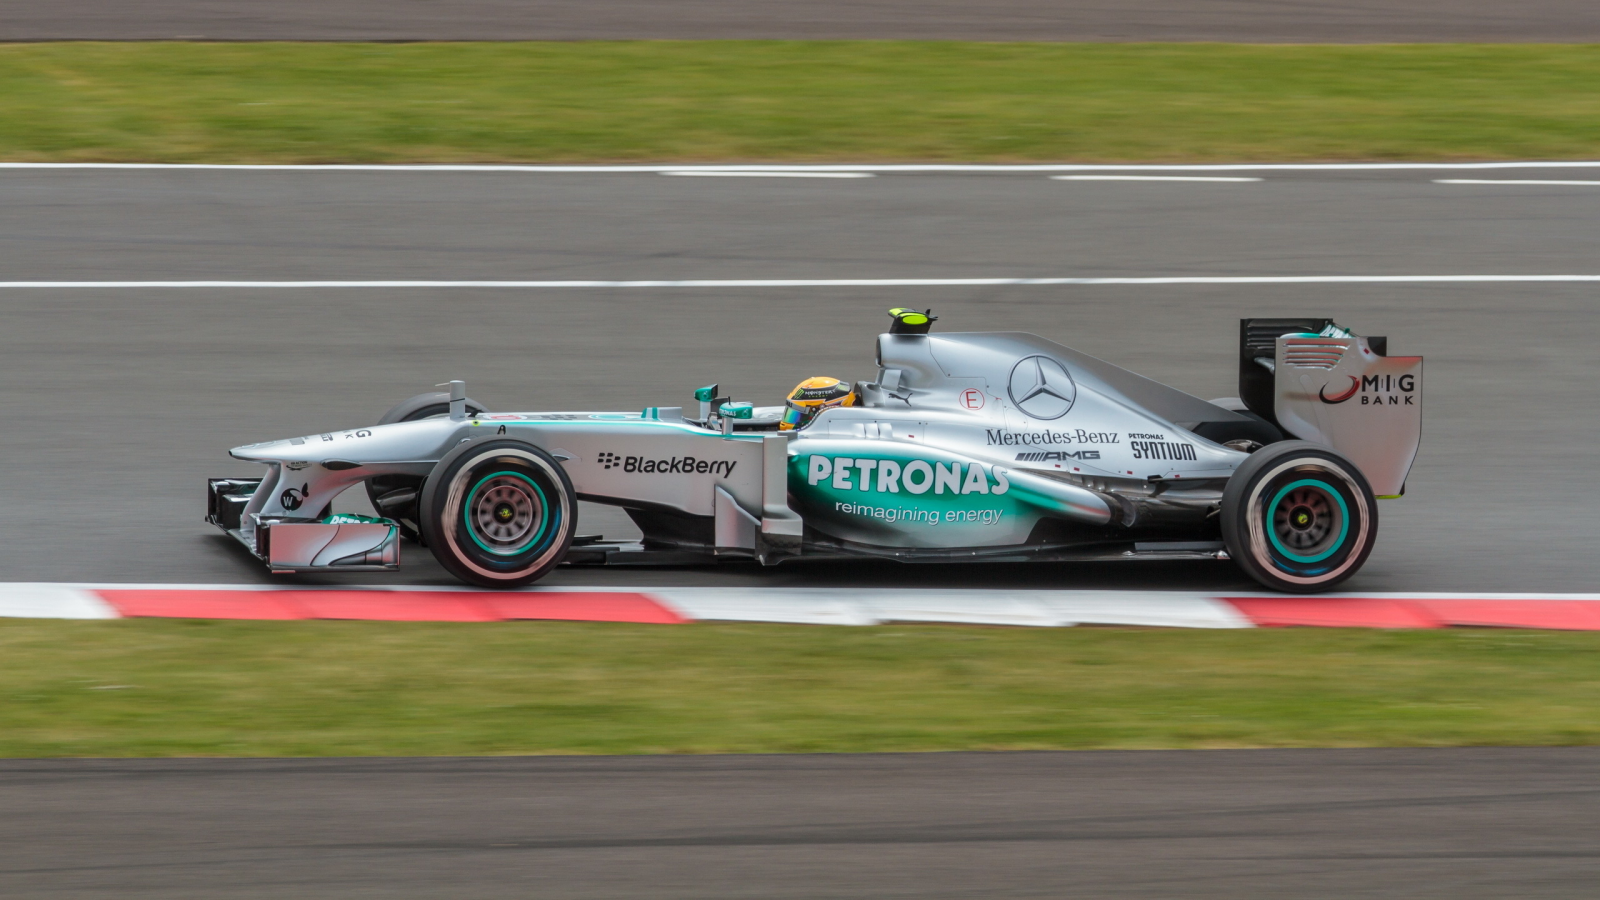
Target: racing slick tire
pixel 401 490
pixel 1299 517
pixel 498 513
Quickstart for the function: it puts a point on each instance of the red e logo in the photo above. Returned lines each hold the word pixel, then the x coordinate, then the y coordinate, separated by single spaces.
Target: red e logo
pixel 972 398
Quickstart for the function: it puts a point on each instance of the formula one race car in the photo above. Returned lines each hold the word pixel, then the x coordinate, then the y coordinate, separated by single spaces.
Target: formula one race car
pixel 980 446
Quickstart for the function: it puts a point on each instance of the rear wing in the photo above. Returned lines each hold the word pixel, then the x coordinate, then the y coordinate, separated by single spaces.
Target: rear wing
pixel 1323 383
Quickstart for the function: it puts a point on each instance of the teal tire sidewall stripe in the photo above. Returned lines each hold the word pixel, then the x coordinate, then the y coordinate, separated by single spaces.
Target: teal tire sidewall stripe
pixel 1344 520
pixel 549 516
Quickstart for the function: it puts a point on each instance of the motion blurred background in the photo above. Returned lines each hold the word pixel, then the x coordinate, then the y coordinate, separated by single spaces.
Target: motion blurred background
pixel 120 390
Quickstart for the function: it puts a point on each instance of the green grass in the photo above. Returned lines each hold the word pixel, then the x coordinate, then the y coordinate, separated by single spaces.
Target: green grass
pixel 794 101
pixel 182 688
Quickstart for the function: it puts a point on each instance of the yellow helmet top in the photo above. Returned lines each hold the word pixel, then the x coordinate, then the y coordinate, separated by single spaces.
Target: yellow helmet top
pixel 812 396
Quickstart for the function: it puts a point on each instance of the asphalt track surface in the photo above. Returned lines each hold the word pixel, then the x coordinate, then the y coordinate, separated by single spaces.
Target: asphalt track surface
pixel 1457 823
pixel 119 402
pixel 1269 21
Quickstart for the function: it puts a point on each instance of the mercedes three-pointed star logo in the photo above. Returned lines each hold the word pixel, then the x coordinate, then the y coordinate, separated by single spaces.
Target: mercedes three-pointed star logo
pixel 1042 388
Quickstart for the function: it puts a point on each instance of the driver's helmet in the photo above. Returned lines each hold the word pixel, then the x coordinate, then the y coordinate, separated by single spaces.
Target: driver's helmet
pixel 812 396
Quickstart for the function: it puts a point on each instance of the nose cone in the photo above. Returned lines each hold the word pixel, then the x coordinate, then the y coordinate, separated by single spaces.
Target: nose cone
pixel 272 451
pixel 420 440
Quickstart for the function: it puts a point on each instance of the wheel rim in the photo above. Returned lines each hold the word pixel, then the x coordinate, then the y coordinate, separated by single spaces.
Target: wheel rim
pixel 505 513
pixel 482 534
pixel 1308 520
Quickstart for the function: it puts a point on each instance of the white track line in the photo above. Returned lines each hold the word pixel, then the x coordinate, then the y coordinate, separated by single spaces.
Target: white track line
pixel 715 173
pixel 1514 181
pixel 823 282
pixel 1148 178
pixel 1036 608
pixel 52 601
pixel 930 167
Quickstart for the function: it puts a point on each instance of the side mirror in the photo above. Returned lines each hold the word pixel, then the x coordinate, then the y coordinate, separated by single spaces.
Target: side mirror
pixel 706 395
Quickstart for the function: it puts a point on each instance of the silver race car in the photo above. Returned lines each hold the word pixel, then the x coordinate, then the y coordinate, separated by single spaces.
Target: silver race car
pixel 979 446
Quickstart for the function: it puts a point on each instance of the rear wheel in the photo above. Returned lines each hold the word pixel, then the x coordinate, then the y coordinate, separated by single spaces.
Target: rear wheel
pixel 1299 517
pixel 395 496
pixel 498 513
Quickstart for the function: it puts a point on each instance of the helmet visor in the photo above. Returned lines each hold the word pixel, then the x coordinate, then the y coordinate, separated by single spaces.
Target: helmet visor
pixel 794 416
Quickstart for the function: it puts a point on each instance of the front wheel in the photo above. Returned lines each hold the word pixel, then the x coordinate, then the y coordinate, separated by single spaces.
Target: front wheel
pixel 1299 517
pixel 498 513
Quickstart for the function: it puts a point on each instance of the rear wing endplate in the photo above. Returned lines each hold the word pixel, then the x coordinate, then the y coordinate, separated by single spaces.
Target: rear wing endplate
pixel 1325 384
